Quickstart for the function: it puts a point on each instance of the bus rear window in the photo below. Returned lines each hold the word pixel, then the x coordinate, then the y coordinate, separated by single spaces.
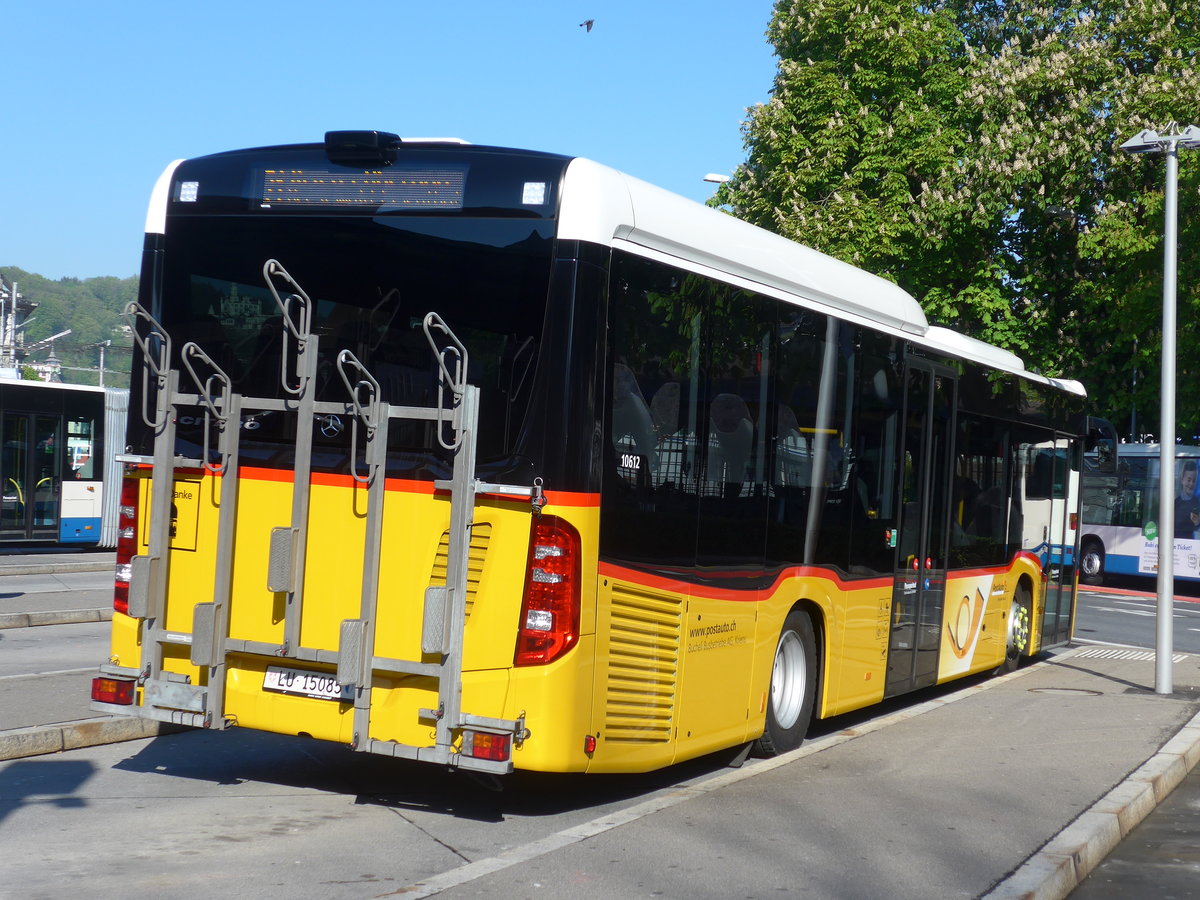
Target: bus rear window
pixel 371 282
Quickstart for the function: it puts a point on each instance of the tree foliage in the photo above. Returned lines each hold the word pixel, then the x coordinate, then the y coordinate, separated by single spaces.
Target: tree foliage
pixel 969 152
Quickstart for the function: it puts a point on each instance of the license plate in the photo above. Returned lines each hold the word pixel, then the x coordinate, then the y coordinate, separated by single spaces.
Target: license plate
pixel 301 683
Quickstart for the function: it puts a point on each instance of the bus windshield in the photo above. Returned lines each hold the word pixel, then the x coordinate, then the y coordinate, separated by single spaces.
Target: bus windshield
pixel 371 281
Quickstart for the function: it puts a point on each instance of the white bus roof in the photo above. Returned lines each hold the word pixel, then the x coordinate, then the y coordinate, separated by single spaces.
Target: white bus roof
pixel 604 206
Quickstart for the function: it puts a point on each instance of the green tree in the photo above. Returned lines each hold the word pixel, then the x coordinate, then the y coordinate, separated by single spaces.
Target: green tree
pixel 968 151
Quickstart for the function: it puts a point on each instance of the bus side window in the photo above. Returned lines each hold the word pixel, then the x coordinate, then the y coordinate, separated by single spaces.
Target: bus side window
pixel 79 460
pixel 632 426
pixel 650 491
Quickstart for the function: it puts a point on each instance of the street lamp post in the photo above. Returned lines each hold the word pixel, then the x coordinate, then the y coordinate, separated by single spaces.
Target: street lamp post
pixel 1149 141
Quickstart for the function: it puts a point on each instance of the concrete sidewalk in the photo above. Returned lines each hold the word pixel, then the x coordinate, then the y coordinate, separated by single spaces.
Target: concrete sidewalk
pixel 1012 787
pixel 54 560
pixel 1005 787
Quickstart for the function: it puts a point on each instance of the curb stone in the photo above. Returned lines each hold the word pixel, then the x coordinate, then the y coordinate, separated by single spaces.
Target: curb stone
pixel 55 617
pixel 55 568
pixel 1069 857
pixel 42 739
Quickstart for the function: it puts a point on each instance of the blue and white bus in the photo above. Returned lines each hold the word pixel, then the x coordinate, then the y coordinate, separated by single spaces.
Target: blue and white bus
pixel 1119 531
pixel 55 462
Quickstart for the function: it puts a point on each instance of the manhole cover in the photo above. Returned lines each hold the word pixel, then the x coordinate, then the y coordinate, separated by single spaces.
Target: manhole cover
pixel 1080 692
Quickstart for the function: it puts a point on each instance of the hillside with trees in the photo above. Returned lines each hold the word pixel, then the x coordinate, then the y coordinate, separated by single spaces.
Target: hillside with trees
pixel 91 309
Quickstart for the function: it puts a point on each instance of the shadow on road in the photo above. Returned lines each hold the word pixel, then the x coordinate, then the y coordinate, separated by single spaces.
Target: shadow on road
pixel 42 780
pixel 234 757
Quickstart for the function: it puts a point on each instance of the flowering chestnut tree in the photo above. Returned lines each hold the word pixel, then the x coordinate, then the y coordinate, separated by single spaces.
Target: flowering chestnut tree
pixel 969 152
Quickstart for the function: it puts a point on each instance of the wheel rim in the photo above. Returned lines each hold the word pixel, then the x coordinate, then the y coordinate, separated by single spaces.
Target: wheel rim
pixel 788 680
pixel 1091 563
pixel 1018 629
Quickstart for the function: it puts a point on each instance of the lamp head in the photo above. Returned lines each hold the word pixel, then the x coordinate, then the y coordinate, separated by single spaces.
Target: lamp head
pixel 1145 141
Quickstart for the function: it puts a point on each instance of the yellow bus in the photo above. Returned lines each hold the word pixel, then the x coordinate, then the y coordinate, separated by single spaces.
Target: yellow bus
pixel 500 459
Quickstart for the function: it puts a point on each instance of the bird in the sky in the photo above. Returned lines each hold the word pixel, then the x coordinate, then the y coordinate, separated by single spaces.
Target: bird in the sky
pixel 587 24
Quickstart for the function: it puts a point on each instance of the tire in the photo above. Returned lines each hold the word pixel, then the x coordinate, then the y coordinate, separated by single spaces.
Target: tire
pixel 1091 562
pixel 1016 643
pixel 793 689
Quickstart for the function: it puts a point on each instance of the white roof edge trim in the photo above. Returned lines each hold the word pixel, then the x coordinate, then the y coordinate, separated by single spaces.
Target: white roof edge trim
pixel 1070 385
pixel 965 347
pixel 972 349
pixel 599 204
pixel 433 140
pixel 766 290
pixel 156 213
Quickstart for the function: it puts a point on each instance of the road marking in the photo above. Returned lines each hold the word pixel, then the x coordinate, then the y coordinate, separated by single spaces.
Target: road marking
pixel 55 672
pixel 1117 652
pixel 1126 612
pixel 1144 613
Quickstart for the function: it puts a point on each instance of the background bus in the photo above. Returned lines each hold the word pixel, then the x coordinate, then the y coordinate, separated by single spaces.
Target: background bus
pixel 493 458
pixel 56 460
pixel 1120 511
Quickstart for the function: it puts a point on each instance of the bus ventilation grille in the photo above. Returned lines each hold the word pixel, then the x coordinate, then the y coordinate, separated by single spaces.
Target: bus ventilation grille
pixel 481 534
pixel 643 665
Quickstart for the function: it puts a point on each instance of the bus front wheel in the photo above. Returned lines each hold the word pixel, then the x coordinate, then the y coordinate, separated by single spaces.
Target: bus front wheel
pixel 1091 562
pixel 793 687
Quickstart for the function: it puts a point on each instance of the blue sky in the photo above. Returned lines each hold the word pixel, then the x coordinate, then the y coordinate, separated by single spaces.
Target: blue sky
pixel 98 98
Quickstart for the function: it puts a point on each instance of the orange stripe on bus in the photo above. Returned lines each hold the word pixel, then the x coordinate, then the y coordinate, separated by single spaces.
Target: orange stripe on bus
pixel 743 595
pixel 413 486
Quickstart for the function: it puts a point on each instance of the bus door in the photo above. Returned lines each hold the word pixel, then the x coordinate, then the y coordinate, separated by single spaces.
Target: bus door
pixel 918 593
pixel 1063 492
pixel 30 464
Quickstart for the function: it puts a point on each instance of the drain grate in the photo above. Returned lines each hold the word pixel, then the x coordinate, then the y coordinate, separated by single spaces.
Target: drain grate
pixel 1118 653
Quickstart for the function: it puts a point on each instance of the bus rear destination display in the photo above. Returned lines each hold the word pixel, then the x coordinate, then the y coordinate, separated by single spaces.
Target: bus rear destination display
pixel 439 187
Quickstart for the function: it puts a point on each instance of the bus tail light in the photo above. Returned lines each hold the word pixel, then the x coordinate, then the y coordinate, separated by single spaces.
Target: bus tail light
pixel 549 624
pixel 113 689
pixel 487 745
pixel 126 541
pixel 1074 522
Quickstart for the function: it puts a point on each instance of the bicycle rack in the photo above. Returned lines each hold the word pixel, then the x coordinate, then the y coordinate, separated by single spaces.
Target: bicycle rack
pixel 171 697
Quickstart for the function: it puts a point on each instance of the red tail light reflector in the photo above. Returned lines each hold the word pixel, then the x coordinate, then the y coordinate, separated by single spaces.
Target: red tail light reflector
pixel 1074 525
pixel 549 623
pixel 487 745
pixel 126 541
pixel 111 689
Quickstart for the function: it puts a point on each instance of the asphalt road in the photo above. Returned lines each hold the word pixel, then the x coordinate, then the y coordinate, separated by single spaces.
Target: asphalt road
pixel 46 672
pixel 1129 619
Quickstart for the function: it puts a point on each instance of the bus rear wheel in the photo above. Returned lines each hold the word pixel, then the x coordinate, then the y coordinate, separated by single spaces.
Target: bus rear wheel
pixel 793 687
pixel 1017 643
